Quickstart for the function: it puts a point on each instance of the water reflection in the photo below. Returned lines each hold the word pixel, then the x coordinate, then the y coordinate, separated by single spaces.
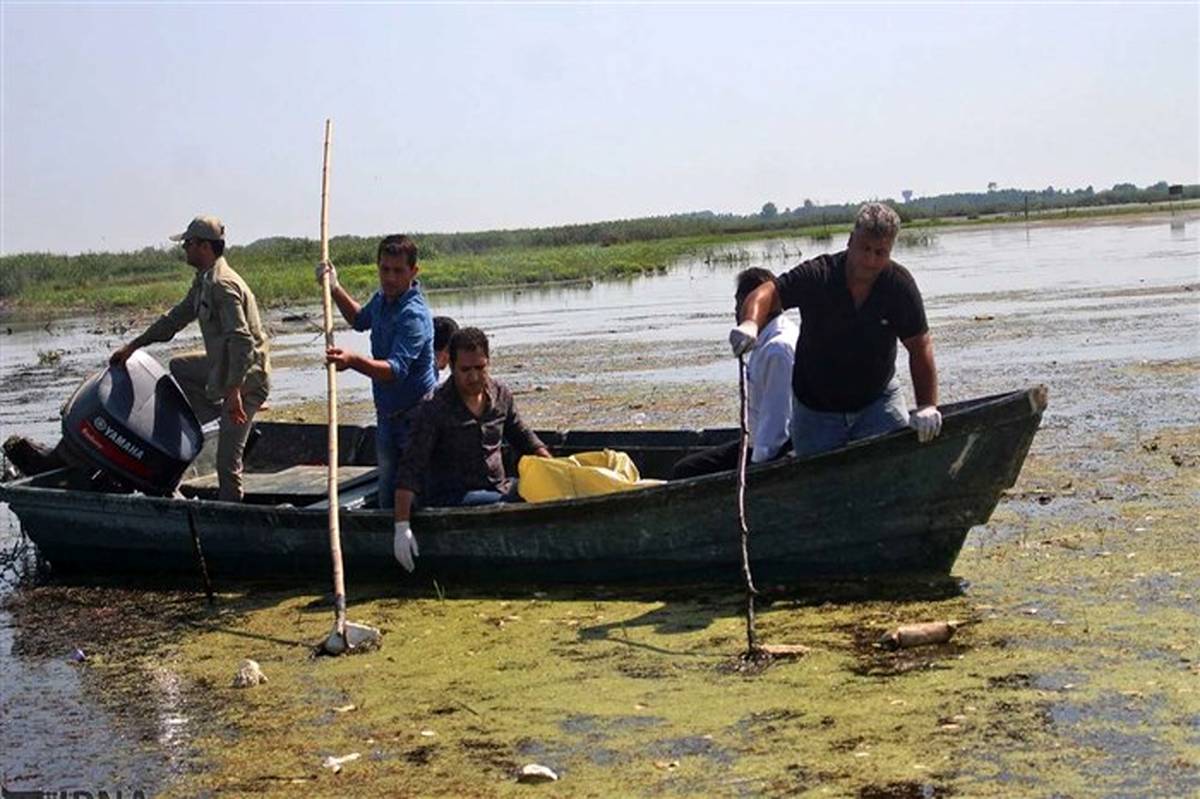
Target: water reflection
pixel 173 721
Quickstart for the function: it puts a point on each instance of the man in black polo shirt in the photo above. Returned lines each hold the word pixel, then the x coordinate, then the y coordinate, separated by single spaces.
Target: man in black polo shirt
pixel 854 306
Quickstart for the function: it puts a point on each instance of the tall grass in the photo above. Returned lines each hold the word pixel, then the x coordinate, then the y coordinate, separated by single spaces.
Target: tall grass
pixel 283 272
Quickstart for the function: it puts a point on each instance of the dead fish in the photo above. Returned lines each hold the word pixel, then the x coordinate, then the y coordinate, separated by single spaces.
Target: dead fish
pixel 535 773
pixel 909 635
pixel 360 637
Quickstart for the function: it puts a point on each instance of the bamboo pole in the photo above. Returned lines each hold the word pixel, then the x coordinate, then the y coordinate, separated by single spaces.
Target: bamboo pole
pixel 335 537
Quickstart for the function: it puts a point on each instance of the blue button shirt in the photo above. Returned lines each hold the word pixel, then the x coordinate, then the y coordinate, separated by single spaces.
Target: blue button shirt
pixel 402 335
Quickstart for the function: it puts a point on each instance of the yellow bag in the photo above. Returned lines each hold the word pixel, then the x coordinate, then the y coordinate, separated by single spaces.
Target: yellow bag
pixel 587 474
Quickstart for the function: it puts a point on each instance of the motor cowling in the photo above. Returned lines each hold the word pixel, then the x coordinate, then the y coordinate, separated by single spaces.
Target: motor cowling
pixel 134 423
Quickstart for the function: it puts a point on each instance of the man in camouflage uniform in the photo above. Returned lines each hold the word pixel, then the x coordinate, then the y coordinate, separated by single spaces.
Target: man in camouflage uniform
pixel 232 377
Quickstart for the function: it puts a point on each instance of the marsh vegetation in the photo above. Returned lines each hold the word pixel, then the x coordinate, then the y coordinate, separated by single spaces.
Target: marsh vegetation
pixel 280 269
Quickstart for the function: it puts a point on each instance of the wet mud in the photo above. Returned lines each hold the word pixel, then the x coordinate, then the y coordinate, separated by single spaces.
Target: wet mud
pixel 1078 673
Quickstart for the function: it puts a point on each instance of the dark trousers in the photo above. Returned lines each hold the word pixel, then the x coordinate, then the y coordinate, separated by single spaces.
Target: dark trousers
pixel 191 372
pixel 723 457
pixel 707 461
pixel 720 458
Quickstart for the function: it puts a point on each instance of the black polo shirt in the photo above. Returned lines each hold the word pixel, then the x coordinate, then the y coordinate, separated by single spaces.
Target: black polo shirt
pixel 846 356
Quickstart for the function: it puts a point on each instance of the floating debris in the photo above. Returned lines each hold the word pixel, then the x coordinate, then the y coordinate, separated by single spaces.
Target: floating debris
pixel 360 637
pixel 49 357
pixel 534 773
pixel 335 763
pixel 248 675
pixel 784 650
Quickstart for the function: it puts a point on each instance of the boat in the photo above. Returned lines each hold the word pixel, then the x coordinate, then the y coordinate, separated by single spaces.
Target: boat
pixel 884 507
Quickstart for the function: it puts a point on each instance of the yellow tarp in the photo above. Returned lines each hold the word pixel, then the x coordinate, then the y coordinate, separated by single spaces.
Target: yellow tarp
pixel 587 474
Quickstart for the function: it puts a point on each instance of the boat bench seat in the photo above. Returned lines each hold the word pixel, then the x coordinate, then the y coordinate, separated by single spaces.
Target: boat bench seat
pixel 302 485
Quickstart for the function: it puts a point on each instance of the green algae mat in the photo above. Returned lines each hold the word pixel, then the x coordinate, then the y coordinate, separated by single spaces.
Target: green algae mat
pixel 1078 675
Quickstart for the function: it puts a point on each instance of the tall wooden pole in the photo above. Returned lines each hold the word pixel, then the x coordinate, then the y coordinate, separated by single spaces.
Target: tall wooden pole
pixel 335 537
pixel 752 648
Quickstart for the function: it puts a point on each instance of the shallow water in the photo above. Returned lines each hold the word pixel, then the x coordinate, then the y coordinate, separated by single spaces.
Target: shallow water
pixel 1098 291
pixel 1082 308
pixel 50 711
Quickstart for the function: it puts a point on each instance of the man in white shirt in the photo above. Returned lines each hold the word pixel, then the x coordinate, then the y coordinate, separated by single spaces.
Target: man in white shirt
pixel 768 390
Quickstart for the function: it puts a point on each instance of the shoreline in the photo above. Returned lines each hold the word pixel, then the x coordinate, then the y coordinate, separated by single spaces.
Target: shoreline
pixel 286 284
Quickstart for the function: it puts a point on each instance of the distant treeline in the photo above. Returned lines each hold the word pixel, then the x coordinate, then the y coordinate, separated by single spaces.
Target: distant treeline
pixel 1007 201
pixel 707 223
pixel 154 272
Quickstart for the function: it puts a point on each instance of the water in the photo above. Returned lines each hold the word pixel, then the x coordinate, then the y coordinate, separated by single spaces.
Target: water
pixel 1100 291
pixel 1008 306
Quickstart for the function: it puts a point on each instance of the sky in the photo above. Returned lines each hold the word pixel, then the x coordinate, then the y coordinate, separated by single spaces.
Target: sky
pixel 121 121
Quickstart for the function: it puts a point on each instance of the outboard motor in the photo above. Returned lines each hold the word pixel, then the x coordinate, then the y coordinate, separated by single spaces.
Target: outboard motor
pixel 135 424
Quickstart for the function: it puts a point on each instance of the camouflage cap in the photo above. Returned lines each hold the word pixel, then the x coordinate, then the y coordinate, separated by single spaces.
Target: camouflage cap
pixel 208 228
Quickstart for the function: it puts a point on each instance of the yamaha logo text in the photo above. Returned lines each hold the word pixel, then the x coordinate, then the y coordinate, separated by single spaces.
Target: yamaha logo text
pixel 127 446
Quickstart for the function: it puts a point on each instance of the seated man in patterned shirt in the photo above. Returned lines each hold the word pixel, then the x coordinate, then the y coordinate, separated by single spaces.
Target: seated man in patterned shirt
pixel 454 453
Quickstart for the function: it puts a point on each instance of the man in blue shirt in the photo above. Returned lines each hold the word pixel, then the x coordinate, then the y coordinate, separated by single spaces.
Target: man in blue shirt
pixel 401 366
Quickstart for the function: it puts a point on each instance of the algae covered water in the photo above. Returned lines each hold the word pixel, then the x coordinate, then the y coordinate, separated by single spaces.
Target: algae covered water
pixel 1078 677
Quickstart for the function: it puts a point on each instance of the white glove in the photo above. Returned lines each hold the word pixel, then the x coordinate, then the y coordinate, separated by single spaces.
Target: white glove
pixel 322 268
pixel 404 546
pixel 927 422
pixel 743 337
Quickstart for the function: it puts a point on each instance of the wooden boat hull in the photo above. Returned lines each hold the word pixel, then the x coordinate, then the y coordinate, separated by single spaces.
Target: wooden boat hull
pixel 880 508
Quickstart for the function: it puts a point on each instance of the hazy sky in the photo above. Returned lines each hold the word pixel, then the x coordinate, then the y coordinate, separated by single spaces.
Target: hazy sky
pixel 122 121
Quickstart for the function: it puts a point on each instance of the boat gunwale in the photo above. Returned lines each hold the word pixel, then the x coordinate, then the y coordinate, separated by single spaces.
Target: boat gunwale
pixel 23 492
